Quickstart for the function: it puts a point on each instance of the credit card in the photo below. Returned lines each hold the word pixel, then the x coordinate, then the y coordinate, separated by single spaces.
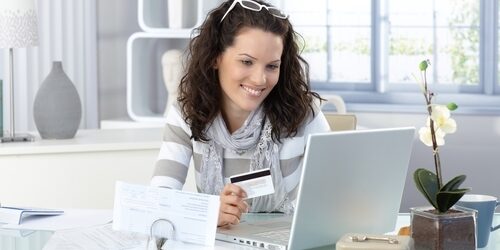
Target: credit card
pixel 255 183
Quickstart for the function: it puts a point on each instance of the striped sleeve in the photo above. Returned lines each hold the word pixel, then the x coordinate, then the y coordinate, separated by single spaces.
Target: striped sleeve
pixel 176 150
pixel 292 152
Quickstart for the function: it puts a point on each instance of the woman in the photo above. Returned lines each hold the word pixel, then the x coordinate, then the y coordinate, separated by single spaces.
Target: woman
pixel 244 104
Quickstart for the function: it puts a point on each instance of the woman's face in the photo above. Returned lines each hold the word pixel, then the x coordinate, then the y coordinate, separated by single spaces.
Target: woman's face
pixel 249 69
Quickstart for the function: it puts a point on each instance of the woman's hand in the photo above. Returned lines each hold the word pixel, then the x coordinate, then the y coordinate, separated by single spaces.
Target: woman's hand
pixel 232 205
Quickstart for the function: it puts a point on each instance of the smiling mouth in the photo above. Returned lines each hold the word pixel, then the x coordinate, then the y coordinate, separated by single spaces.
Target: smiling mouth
pixel 253 92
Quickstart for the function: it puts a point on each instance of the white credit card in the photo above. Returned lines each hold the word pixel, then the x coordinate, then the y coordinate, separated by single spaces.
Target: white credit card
pixel 255 183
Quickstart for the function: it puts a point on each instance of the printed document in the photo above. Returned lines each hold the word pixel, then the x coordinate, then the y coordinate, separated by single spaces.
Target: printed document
pixel 184 216
pixel 100 237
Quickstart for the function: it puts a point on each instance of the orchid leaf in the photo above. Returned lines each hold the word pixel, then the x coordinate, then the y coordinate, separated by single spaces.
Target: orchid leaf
pixel 454 183
pixel 426 183
pixel 447 199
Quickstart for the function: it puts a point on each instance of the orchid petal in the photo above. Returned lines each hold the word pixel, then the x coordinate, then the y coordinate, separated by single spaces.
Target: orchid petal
pixel 440 137
pixel 425 136
pixel 449 126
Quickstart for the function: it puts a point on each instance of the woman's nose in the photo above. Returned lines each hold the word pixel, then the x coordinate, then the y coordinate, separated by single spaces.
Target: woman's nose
pixel 258 76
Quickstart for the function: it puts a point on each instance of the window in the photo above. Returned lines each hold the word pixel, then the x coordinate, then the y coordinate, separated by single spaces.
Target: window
pixel 368 50
pixel 445 31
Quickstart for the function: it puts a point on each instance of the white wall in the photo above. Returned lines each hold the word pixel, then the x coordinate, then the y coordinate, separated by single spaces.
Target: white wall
pixel 474 150
pixel 116 21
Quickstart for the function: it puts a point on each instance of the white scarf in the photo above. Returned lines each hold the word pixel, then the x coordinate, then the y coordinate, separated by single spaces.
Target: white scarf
pixel 252 135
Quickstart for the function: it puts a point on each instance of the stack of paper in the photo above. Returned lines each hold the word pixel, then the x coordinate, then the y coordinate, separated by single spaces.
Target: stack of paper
pixel 15 215
pixel 72 218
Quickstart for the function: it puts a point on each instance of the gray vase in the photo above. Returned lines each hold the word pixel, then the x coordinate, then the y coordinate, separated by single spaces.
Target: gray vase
pixel 57 108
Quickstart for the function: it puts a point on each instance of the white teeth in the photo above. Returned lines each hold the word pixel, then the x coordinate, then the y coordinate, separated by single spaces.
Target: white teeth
pixel 252 91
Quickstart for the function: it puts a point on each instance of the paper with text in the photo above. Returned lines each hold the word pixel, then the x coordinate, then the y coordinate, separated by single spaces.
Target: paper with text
pixel 193 215
pixel 96 238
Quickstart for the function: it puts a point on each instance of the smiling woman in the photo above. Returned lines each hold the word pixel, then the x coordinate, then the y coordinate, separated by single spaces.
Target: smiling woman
pixel 244 104
pixel 248 72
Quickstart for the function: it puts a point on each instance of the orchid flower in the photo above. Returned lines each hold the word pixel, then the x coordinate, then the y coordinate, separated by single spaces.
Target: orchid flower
pixel 439 123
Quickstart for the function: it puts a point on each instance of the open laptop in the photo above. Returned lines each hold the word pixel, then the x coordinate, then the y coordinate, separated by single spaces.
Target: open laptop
pixel 352 181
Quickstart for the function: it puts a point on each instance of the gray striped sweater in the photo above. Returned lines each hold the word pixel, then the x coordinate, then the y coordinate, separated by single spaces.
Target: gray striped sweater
pixel 178 149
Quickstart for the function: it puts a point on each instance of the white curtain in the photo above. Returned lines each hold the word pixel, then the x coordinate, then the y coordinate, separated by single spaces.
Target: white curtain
pixel 67 33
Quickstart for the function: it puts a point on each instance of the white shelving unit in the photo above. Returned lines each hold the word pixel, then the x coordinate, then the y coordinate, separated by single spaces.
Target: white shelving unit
pixel 153 15
pixel 146 93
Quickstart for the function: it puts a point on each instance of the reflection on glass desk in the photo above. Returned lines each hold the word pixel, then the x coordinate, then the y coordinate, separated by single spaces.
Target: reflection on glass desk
pixel 34 240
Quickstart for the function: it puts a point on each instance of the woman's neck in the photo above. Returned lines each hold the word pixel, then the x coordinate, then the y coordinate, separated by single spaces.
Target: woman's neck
pixel 234 120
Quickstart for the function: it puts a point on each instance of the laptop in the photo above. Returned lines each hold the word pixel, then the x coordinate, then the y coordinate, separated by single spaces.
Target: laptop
pixel 352 182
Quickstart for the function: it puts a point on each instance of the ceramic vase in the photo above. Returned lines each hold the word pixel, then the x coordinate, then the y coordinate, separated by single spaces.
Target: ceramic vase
pixel 453 230
pixel 57 108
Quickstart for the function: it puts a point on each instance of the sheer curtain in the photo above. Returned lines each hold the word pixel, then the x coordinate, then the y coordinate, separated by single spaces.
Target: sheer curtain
pixel 67 33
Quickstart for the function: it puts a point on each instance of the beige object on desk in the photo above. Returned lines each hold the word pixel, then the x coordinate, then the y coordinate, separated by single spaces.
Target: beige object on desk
pixel 341 120
pixel 352 241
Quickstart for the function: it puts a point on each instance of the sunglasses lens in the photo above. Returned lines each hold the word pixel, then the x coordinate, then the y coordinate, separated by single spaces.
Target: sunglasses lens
pixel 250 5
pixel 277 13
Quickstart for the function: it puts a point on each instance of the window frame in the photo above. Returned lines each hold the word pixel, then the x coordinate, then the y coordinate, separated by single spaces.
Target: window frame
pixel 381 96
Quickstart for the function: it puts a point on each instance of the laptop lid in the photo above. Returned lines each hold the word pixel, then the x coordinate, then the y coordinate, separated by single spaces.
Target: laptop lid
pixel 351 181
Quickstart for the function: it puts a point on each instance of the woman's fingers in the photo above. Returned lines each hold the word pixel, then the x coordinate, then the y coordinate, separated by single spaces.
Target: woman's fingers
pixel 227 219
pixel 234 195
pixel 233 210
pixel 232 205
pixel 228 214
pixel 234 190
pixel 235 201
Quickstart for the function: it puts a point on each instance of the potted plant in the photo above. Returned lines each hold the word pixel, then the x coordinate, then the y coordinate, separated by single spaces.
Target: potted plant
pixel 441 226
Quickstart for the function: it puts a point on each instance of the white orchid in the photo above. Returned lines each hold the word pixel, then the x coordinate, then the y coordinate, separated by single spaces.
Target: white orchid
pixel 440 114
pixel 425 136
pixel 439 123
pixel 443 124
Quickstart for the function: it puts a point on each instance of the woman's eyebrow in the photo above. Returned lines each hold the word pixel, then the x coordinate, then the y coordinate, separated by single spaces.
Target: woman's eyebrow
pixel 245 54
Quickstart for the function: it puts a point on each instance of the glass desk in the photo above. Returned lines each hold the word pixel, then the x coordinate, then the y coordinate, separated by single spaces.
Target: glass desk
pixel 34 240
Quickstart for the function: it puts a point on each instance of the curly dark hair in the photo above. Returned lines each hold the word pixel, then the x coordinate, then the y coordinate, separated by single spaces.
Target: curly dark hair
pixel 289 103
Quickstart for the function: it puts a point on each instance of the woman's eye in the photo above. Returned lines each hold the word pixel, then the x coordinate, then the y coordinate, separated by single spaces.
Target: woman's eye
pixel 246 62
pixel 273 66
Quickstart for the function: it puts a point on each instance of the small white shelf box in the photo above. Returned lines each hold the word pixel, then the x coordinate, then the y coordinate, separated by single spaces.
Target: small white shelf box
pixel 153 15
pixel 146 92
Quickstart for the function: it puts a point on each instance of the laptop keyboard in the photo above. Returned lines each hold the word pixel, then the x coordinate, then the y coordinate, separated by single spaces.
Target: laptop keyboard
pixel 281 235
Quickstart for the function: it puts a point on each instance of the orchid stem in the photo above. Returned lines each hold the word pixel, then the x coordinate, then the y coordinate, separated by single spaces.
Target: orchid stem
pixel 435 150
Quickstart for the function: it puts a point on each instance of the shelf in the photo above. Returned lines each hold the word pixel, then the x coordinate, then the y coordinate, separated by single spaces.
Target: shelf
pixel 153 15
pixel 165 28
pixel 94 140
pixel 127 123
pixel 146 92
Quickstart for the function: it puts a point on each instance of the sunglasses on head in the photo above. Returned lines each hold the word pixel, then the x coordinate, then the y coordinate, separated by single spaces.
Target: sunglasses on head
pixel 254 6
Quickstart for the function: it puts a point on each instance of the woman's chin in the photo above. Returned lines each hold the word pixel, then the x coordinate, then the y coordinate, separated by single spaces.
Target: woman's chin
pixel 251 107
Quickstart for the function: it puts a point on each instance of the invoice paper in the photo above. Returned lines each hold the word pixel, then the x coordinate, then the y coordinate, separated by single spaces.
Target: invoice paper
pixel 100 237
pixel 193 216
